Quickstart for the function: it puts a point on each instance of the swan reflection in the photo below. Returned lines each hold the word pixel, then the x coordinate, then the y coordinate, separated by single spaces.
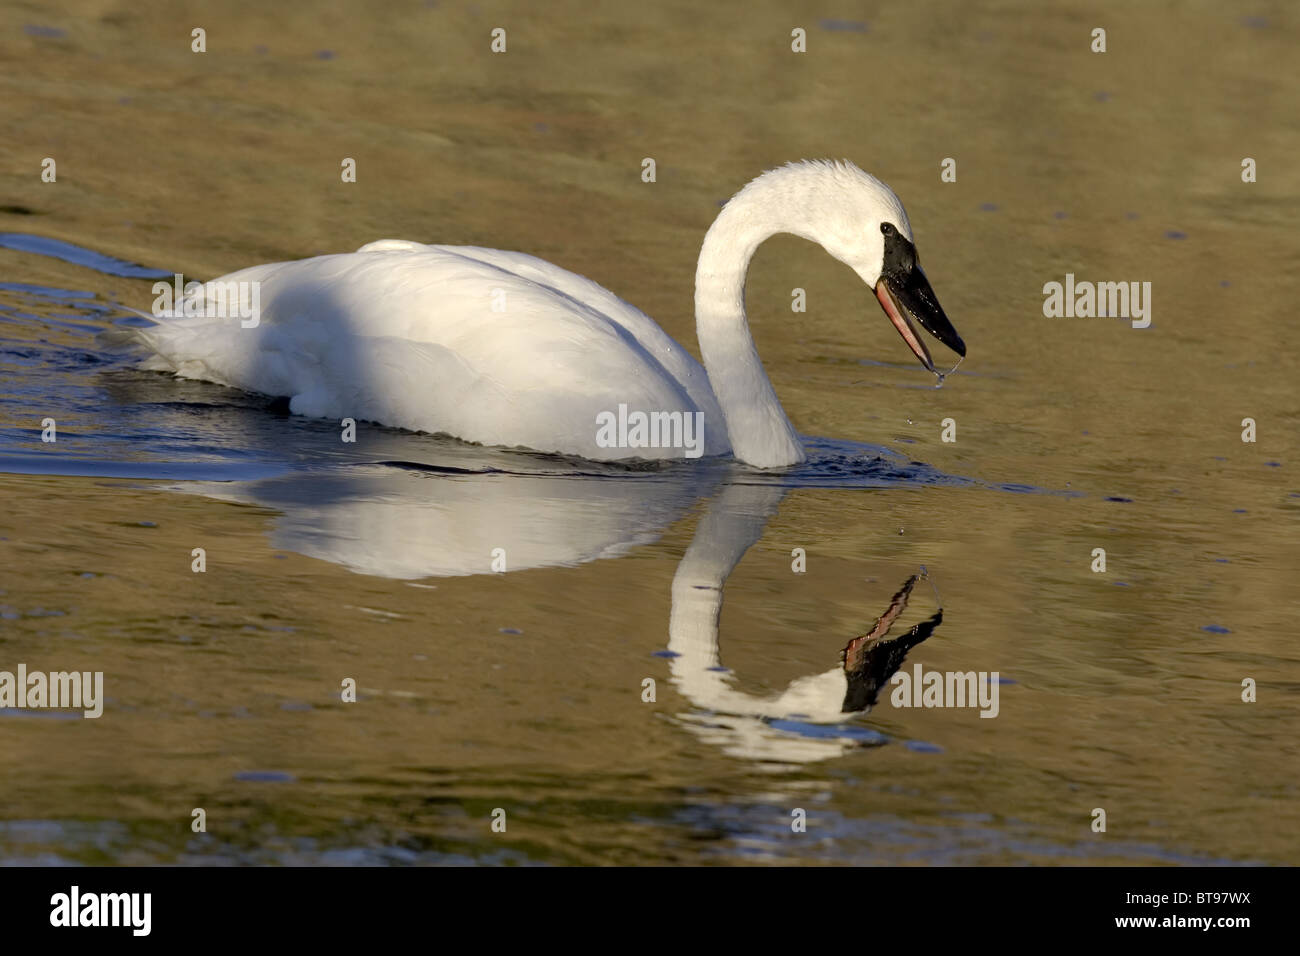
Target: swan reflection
pixel 420 521
pixel 795 725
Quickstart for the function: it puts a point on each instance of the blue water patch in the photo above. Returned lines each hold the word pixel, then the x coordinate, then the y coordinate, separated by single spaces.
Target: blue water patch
pixel 265 776
pixel 839 463
pixel 829 731
pixel 1017 489
pixel 1216 629
pixel 46 291
pixel 40 712
pixel 921 747
pixel 56 248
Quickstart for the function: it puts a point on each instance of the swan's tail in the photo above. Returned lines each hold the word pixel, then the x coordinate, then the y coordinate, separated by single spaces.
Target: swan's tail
pixel 144 339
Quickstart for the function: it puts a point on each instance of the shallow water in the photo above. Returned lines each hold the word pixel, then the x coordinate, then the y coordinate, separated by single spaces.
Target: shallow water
pixel 523 690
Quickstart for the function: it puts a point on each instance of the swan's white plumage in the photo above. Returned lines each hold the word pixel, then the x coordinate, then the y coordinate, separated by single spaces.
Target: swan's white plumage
pixel 407 335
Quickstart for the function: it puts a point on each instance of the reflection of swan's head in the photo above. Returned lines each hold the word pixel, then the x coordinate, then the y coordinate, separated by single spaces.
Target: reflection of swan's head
pixel 861 222
pixel 866 663
pixel 791 726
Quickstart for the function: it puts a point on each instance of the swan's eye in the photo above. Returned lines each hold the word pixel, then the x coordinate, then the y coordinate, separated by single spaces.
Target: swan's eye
pixel 900 255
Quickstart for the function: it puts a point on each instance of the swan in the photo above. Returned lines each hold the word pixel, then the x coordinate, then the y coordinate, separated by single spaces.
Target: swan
pixel 502 348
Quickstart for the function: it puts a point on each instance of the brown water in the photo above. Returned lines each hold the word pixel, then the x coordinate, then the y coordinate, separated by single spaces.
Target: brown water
pixel 523 691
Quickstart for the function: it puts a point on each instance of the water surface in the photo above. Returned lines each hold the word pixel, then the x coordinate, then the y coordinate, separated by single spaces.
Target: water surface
pixel 523 690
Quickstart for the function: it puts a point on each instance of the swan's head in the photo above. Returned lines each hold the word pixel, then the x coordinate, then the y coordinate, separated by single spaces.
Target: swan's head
pixel 860 221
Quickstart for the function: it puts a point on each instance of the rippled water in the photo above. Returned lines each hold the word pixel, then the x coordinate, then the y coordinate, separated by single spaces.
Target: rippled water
pixel 523 690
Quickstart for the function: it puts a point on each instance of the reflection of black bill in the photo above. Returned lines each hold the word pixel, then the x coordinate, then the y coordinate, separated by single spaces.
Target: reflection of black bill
pixel 905 295
pixel 873 658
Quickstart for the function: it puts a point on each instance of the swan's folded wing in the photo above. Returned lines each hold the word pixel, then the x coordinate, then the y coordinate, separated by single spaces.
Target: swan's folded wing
pixel 592 296
pixel 429 339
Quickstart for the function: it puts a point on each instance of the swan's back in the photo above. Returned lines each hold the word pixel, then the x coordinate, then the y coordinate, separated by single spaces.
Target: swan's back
pixel 494 347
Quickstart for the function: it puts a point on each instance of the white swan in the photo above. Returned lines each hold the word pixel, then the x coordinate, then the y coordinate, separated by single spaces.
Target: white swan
pixel 502 348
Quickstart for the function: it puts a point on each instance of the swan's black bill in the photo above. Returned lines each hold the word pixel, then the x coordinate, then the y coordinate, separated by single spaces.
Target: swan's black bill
pixel 905 294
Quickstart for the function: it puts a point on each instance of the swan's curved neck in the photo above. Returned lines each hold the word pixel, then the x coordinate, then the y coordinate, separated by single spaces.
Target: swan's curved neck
pixel 757 425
